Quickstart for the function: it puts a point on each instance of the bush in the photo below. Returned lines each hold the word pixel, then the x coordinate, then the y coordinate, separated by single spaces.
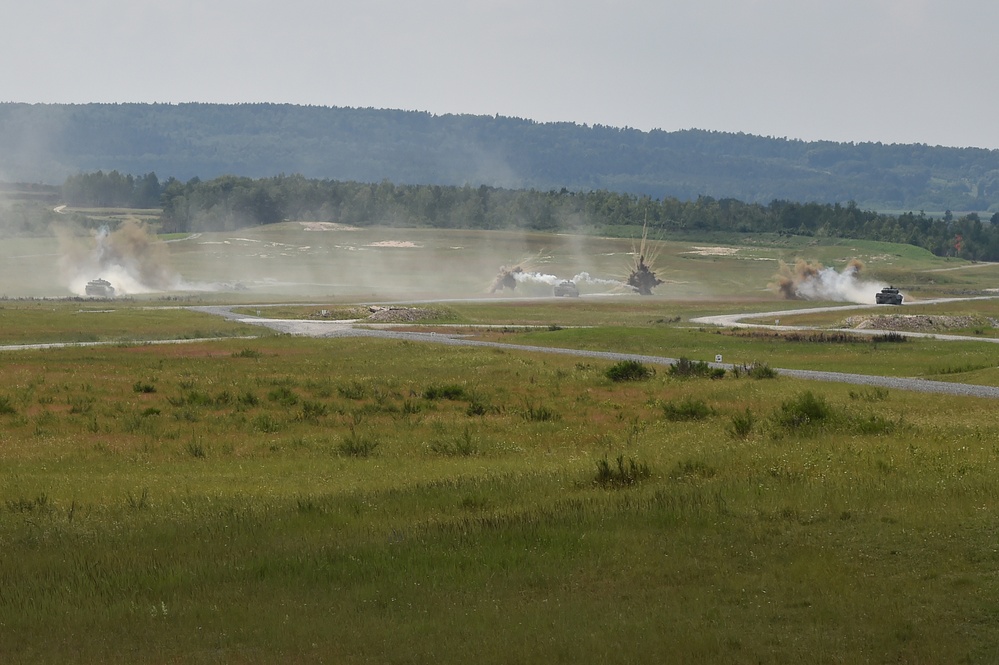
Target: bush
pixel 141 387
pixel 357 445
pixel 620 475
pixel 687 409
pixel 806 409
pixel 685 368
pixel 742 424
pixel 891 338
pixel 6 407
pixel 629 370
pixel 755 371
pixel 461 447
pixel 450 391
pixel 539 414
pixel 283 396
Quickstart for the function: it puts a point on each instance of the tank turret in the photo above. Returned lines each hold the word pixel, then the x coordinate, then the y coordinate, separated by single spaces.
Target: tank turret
pixel 100 288
pixel 888 296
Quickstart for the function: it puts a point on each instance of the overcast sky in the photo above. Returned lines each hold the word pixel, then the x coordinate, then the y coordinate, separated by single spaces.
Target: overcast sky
pixel 895 71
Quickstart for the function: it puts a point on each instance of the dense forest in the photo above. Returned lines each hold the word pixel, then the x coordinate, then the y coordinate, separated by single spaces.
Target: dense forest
pixel 229 202
pixel 46 143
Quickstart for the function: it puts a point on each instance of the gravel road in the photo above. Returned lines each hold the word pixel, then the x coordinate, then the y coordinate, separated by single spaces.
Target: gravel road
pixel 349 329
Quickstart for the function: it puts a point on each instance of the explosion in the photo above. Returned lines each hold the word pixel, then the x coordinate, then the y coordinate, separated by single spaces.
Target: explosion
pixel 129 258
pixel 808 280
pixel 506 278
pixel 643 277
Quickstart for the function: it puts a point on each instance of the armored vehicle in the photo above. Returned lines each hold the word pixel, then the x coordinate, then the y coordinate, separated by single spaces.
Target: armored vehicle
pixel 100 288
pixel 567 288
pixel 888 296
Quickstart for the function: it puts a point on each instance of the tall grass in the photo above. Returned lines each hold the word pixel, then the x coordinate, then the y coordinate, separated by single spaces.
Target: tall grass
pixel 384 525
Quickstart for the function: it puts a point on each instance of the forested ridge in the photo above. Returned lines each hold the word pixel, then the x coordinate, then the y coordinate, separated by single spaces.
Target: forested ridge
pixel 229 202
pixel 48 142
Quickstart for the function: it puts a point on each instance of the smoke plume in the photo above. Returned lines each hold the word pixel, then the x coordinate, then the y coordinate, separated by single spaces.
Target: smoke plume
pixel 130 258
pixel 807 280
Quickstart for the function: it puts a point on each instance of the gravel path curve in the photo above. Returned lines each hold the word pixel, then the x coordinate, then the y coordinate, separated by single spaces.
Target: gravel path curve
pixel 348 329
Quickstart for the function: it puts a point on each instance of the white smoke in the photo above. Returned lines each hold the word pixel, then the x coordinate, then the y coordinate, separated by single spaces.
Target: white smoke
pixel 130 258
pixel 812 281
pixel 584 281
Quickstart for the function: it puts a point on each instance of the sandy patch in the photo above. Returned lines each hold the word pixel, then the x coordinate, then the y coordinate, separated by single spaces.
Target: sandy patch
pixel 326 226
pixel 714 251
pixel 393 243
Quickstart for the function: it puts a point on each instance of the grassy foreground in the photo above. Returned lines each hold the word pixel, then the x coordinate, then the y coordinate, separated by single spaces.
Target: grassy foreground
pixel 360 500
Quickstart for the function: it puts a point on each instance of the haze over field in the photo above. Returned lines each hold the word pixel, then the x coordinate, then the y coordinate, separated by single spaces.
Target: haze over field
pixel 895 71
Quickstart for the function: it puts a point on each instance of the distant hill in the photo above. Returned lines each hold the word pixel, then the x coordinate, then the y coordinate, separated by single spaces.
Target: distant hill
pixel 45 143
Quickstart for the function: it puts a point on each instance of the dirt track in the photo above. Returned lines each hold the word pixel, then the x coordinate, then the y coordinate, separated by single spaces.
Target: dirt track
pixel 350 329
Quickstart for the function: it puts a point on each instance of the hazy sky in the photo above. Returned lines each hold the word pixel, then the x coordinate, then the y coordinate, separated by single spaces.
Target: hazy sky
pixel 895 71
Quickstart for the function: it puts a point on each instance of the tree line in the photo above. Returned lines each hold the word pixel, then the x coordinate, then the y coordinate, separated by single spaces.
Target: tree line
pixel 48 142
pixel 230 202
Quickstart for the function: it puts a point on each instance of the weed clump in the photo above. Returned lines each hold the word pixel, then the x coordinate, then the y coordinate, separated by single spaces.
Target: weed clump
pixel 620 474
pixel 143 388
pixel 6 407
pixel 891 337
pixel 804 410
pixel 742 424
pixel 629 370
pixel 539 414
pixel 451 391
pixel 357 445
pixel 684 368
pixel 755 371
pixel 463 446
pixel 686 409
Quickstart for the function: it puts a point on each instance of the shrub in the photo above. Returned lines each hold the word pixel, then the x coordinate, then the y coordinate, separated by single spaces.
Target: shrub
pixel 313 410
pixel 755 371
pixel 891 337
pixel 539 414
pixel 621 474
pixel 141 387
pixel 450 391
pixel 684 369
pixel 6 407
pixel 357 445
pixel 246 353
pixel 687 409
pixel 872 395
pixel 283 396
pixel 629 370
pixel 196 449
pixel 354 390
pixel 742 424
pixel 460 447
pixel 806 409
pixel 266 424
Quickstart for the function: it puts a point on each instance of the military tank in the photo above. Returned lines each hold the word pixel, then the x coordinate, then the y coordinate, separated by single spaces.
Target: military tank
pixel 100 288
pixel 888 296
pixel 567 288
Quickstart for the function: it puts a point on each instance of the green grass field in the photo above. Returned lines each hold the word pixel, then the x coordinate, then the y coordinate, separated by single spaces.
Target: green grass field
pixel 356 500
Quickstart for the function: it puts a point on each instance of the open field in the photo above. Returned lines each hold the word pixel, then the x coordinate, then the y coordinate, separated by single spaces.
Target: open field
pixel 355 500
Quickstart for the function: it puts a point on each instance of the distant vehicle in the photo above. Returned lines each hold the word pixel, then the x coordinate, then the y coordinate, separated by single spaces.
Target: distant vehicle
pixel 888 296
pixel 567 289
pixel 100 288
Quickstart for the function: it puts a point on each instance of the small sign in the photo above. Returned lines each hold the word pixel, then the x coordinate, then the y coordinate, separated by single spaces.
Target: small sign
pixel 718 358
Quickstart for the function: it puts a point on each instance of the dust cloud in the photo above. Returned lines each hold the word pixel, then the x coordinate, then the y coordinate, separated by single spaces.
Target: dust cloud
pixel 808 280
pixel 130 258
